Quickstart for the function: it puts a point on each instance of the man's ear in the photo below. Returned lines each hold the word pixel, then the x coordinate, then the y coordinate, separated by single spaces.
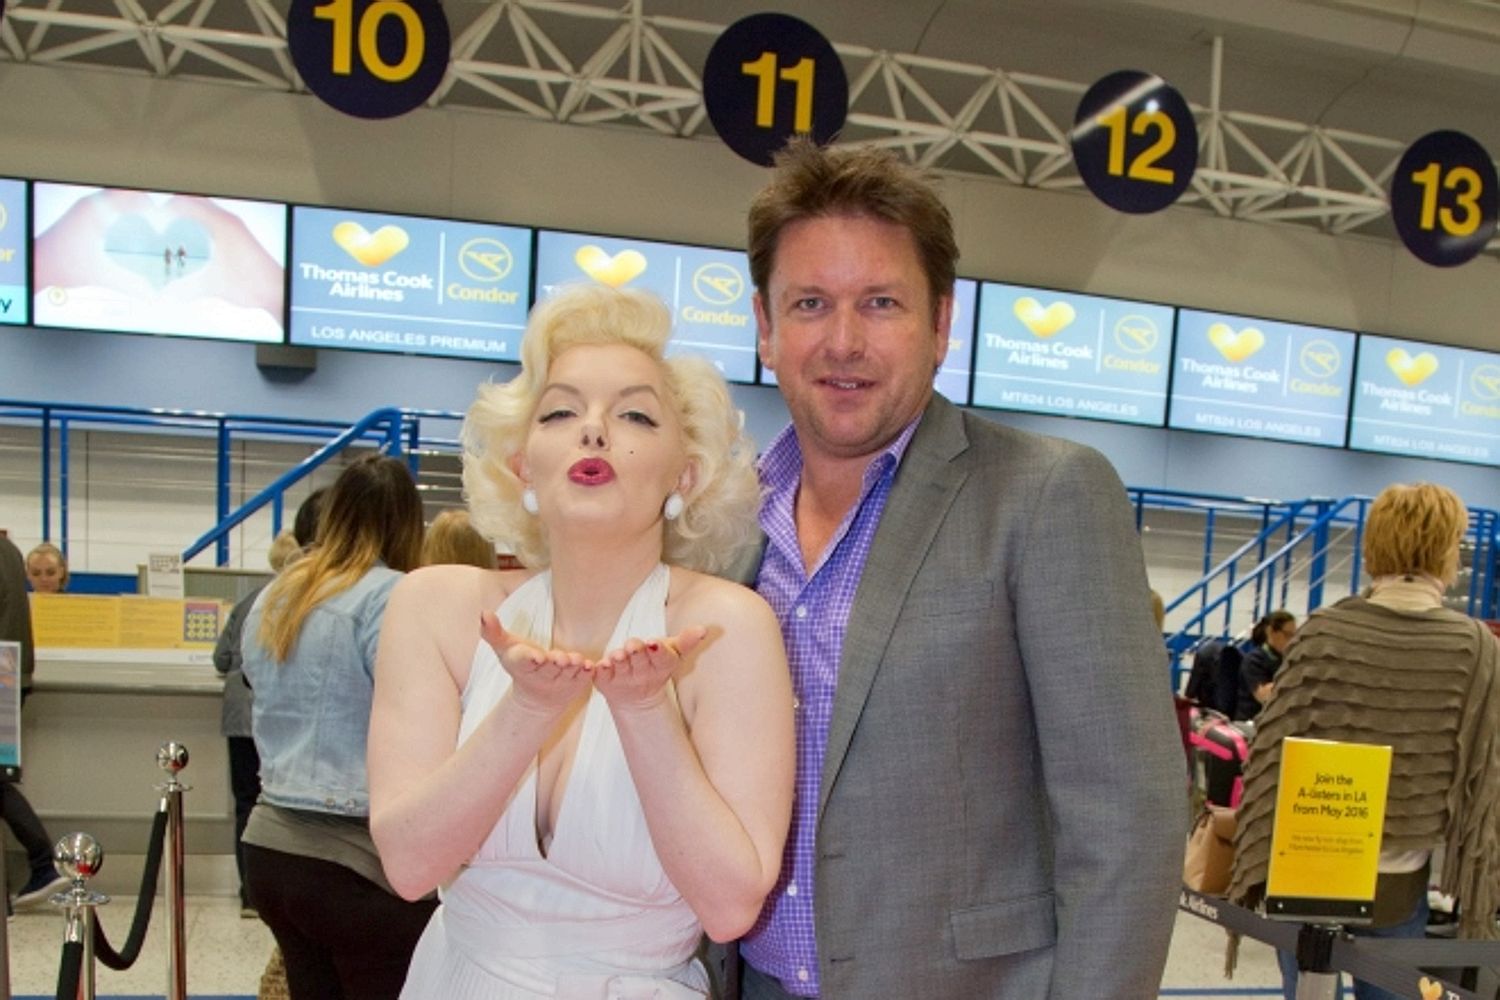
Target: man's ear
pixel 763 335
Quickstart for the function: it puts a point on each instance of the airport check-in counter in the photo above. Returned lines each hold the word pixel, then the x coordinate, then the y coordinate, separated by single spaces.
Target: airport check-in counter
pixel 97 716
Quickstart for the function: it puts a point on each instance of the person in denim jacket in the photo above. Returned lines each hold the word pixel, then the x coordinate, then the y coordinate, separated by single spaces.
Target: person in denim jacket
pixel 309 655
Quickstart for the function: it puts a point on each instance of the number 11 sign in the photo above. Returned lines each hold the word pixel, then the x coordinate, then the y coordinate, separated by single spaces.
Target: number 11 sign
pixel 769 77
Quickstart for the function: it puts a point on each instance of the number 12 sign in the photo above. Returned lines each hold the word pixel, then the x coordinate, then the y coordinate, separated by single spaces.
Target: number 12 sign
pixel 1134 141
pixel 769 77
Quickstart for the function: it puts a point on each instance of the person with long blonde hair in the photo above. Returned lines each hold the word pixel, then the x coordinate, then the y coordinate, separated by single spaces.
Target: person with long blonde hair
pixel 309 655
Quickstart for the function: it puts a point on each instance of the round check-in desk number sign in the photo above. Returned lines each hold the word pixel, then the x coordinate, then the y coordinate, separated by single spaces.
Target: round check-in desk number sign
pixel 769 77
pixel 1443 198
pixel 1134 142
pixel 369 58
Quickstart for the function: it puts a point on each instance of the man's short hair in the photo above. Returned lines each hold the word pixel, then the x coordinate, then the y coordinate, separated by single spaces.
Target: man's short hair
pixel 857 181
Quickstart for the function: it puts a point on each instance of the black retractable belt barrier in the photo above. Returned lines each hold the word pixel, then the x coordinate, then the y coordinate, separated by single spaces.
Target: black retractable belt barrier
pixel 68 972
pixel 1395 964
pixel 126 957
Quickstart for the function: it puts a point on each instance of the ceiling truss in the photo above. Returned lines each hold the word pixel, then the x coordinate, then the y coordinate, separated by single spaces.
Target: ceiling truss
pixel 584 64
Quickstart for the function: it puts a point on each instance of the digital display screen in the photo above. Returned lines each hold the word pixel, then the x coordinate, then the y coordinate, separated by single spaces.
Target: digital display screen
pixel 14 236
pixel 147 262
pixel 1072 355
pixel 1426 400
pixel 707 290
pixel 952 379
pixel 401 284
pixel 1260 378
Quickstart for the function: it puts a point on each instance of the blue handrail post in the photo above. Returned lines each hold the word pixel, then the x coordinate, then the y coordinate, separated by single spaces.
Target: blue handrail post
pixel 1487 599
pixel 1208 541
pixel 221 498
pixel 1319 564
pixel 414 440
pixel 1229 601
pixel 1357 563
pixel 62 484
pixel 46 473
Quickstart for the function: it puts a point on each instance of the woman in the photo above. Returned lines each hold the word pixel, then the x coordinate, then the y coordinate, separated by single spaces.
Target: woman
pixel 47 569
pixel 234 718
pixel 452 538
pixel 1396 668
pixel 1257 679
pixel 309 654
pixel 602 770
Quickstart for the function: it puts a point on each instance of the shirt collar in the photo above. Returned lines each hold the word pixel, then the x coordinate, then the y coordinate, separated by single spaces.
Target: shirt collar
pixel 781 463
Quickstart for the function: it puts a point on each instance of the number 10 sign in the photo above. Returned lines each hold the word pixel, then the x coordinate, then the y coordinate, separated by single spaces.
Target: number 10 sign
pixel 769 77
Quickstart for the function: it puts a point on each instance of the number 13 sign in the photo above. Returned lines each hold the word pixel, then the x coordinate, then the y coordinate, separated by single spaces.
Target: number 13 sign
pixel 1134 142
pixel 1443 198
pixel 769 77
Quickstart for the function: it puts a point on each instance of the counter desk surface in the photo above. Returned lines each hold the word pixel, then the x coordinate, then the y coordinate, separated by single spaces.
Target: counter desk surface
pixel 134 671
pixel 90 735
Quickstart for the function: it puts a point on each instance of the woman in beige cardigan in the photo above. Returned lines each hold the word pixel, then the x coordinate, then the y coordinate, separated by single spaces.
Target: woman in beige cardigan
pixel 1394 667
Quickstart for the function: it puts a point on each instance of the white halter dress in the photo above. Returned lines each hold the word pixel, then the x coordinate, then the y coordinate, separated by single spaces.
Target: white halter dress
pixel 595 918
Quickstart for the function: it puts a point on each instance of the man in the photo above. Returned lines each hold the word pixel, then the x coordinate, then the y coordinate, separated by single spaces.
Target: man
pixel 15 626
pixel 989 791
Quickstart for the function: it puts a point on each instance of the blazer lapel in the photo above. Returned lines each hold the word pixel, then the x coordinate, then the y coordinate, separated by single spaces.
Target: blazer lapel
pixel 926 484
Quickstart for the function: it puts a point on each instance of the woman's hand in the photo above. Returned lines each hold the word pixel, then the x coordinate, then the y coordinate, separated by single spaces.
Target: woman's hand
pixel 543 681
pixel 634 677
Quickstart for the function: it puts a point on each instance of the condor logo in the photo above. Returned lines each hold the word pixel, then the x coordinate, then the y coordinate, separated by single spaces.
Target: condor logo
pixel 718 284
pixel 485 259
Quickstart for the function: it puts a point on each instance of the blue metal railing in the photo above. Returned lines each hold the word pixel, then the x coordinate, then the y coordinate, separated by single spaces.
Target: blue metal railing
pixel 1310 528
pixel 394 431
pixel 390 428
pixel 1291 540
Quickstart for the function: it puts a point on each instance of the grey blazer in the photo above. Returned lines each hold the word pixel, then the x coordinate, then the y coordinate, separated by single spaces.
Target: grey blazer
pixel 1003 800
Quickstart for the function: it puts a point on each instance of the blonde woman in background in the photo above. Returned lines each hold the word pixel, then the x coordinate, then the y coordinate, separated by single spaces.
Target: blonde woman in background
pixel 452 538
pixel 309 654
pixel 234 719
pixel 47 569
pixel 1394 667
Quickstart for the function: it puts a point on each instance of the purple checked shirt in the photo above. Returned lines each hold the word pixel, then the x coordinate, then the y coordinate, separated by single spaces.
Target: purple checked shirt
pixel 813 609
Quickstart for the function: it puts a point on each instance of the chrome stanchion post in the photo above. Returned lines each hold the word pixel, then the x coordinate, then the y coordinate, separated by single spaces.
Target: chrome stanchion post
pixel 79 857
pixel 172 758
pixel 1316 977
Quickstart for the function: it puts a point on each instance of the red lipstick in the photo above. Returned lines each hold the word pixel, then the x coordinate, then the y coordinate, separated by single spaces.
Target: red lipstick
pixel 591 472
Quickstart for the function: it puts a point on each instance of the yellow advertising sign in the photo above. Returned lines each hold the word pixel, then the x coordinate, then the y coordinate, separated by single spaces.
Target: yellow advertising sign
pixel 1330 811
pixel 85 621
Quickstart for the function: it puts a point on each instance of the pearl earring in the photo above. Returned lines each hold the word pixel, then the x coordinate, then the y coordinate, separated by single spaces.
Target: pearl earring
pixel 528 500
pixel 672 509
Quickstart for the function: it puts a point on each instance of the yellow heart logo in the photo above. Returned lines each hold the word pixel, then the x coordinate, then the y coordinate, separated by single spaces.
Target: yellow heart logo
pixel 1235 345
pixel 612 271
pixel 1430 990
pixel 370 249
pixel 1411 370
pixel 1043 321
